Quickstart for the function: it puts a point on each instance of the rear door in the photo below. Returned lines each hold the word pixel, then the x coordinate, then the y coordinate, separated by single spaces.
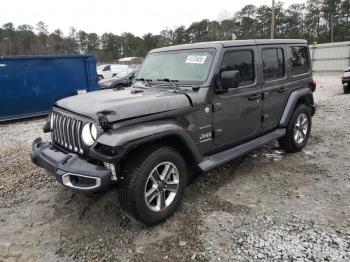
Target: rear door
pixel 299 66
pixel 237 112
pixel 275 84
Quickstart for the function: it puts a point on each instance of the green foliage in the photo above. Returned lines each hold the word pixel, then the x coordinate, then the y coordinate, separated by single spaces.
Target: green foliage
pixel 311 21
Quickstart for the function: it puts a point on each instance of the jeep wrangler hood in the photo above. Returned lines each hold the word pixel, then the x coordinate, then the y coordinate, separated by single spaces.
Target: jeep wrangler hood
pixel 124 104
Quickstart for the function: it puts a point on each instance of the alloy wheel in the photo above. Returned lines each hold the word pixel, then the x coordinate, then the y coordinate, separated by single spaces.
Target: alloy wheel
pixel 161 186
pixel 300 128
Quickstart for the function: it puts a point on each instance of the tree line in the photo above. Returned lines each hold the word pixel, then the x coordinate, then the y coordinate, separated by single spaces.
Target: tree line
pixel 318 21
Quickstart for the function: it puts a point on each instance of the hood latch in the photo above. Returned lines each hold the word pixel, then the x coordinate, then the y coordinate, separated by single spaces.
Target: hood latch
pixel 103 120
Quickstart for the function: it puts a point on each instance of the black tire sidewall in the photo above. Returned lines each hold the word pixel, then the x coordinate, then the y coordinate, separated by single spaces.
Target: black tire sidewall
pixel 346 89
pixel 118 86
pixel 149 216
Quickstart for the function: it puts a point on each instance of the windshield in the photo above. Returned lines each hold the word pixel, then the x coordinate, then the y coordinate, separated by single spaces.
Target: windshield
pixel 187 66
pixel 123 74
pixel 100 67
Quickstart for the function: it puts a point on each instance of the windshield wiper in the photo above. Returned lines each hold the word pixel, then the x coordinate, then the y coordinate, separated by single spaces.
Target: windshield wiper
pixel 170 81
pixel 145 81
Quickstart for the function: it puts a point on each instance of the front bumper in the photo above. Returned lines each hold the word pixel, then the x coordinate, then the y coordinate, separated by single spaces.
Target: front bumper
pixel 69 169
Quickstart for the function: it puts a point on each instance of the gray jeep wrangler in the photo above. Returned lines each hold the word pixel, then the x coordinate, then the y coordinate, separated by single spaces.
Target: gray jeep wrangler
pixel 191 108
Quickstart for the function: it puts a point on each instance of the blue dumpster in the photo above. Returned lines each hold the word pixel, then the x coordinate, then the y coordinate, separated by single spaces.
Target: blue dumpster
pixel 30 85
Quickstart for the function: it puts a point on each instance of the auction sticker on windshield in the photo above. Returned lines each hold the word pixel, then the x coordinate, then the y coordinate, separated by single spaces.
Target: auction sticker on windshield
pixel 196 59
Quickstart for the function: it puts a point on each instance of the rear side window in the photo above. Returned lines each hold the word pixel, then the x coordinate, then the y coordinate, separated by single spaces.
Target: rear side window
pixel 299 60
pixel 243 61
pixel 273 63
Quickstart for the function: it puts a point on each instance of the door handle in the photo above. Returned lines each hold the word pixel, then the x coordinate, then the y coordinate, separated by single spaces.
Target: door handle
pixel 217 107
pixel 282 90
pixel 254 97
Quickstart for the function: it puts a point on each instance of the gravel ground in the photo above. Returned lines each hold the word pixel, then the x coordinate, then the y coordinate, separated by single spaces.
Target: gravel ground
pixel 267 206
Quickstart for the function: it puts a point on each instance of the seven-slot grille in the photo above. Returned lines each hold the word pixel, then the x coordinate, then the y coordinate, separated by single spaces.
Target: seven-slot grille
pixel 66 132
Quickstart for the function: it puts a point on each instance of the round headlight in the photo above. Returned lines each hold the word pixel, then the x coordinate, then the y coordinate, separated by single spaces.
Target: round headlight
pixel 93 131
pixel 89 134
pixel 51 122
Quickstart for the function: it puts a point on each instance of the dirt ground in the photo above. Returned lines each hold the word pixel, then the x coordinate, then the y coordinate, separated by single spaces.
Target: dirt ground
pixel 267 206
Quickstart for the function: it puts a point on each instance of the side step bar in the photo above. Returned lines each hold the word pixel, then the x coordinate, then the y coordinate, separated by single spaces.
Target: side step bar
pixel 217 159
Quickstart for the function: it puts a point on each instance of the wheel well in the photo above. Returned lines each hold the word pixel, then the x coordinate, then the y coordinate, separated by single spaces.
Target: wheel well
pixel 172 141
pixel 306 100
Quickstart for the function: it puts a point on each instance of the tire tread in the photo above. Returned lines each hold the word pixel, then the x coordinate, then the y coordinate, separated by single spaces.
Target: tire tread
pixel 135 163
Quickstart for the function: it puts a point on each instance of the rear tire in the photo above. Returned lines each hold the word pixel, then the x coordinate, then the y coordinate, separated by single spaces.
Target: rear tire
pixel 100 77
pixel 119 87
pixel 346 89
pixel 154 182
pixel 298 130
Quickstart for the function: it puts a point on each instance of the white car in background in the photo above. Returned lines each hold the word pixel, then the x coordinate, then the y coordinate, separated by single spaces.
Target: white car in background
pixel 109 70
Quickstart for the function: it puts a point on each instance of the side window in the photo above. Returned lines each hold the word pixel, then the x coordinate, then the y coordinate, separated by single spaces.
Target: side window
pixel 107 68
pixel 243 61
pixel 273 63
pixel 299 60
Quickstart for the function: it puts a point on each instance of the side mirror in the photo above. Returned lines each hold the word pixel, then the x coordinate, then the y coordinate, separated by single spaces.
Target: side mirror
pixel 229 79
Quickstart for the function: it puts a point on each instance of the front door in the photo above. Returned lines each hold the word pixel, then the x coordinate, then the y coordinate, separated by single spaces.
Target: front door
pixel 237 112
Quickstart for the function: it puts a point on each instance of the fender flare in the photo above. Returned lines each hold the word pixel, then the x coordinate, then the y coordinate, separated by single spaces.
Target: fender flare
pixel 292 101
pixel 129 137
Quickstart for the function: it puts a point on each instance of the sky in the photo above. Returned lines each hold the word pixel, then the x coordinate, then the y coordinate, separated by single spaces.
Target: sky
pixel 113 16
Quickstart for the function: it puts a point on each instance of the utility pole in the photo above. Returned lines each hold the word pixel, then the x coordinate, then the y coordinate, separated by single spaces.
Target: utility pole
pixel 273 20
pixel 332 27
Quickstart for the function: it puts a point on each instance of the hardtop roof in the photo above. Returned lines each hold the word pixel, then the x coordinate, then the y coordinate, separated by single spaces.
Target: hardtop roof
pixel 230 43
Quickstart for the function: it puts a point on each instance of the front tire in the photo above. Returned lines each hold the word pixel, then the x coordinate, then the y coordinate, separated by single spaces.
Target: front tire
pixel 154 182
pixel 346 89
pixel 298 130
